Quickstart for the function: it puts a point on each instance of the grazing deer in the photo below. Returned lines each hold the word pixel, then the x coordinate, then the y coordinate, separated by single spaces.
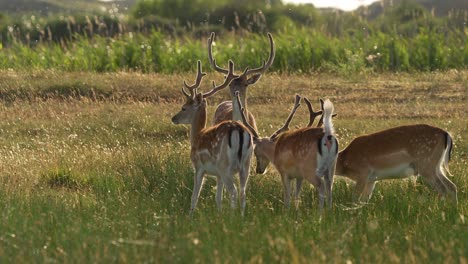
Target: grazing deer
pixel 221 150
pixel 398 153
pixel 228 110
pixel 306 153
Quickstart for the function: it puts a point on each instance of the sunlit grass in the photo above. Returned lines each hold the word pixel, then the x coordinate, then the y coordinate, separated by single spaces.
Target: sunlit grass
pixel 105 176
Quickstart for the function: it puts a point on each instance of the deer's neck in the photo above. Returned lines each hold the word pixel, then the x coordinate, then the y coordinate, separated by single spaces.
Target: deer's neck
pixel 236 111
pixel 266 147
pixel 270 147
pixel 198 124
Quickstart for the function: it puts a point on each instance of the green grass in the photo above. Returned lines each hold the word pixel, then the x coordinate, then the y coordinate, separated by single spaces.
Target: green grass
pixel 297 51
pixel 106 177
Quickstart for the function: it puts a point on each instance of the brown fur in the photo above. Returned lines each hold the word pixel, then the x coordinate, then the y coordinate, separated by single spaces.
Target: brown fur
pixel 296 153
pixel 295 157
pixel 224 113
pixel 209 152
pixel 301 139
pixel 420 145
pixel 209 137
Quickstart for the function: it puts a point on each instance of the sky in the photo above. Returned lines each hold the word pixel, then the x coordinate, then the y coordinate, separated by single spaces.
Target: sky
pixel 346 5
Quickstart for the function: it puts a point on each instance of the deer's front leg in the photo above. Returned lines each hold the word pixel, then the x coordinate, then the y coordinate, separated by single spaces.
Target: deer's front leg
pixel 197 185
pixel 297 192
pixel 287 190
pixel 329 178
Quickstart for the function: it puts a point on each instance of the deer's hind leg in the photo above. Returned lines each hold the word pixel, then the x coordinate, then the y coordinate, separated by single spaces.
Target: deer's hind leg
pixel 219 193
pixel 450 188
pixel 243 180
pixel 231 188
pixel 297 192
pixel 287 189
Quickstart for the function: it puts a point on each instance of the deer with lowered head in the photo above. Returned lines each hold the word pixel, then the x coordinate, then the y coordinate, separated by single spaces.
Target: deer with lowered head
pixel 303 154
pixel 221 150
pixel 396 153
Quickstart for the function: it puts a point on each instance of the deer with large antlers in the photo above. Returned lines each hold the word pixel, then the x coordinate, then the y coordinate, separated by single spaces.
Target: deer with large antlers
pixel 220 150
pixel 307 153
pixel 398 153
pixel 228 110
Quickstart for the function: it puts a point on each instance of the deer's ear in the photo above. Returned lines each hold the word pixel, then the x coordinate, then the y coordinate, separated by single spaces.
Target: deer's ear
pixel 254 79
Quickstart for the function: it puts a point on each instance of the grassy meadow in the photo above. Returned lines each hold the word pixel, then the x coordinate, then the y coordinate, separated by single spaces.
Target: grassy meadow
pixel 92 170
pixel 297 50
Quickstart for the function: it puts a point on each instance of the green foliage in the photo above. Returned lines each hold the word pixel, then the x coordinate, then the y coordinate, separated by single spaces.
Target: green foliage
pixel 168 36
pixel 408 11
pixel 32 30
pixel 390 52
pixel 297 50
pixel 63 178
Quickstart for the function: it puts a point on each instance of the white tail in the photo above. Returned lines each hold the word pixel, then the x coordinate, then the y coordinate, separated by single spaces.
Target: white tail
pixel 246 147
pixel 239 144
pixel 448 152
pixel 327 117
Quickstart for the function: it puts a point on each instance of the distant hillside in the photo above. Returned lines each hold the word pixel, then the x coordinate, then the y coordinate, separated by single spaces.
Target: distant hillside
pixel 66 6
pixel 438 7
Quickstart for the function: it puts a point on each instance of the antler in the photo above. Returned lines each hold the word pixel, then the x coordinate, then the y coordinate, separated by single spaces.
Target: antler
pixel 210 55
pixel 266 64
pixel 247 71
pixel 320 122
pixel 192 88
pixel 312 114
pixel 244 119
pixel 288 120
pixel 229 77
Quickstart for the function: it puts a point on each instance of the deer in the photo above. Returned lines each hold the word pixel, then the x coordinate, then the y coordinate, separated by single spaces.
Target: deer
pixel 307 153
pixel 221 150
pixel 395 153
pixel 398 153
pixel 228 110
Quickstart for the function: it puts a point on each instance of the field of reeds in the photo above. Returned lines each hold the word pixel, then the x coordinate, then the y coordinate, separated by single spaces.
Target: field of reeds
pixel 300 51
pixel 92 170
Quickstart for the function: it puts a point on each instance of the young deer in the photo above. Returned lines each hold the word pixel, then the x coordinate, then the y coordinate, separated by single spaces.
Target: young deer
pixel 220 150
pixel 307 153
pixel 398 153
pixel 228 110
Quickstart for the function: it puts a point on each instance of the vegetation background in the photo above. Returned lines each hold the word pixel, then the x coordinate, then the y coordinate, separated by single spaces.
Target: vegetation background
pixel 158 36
pixel 92 170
